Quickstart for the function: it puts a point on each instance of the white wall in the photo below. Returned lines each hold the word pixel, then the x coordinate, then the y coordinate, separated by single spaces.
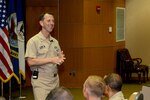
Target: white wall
pixel 137 29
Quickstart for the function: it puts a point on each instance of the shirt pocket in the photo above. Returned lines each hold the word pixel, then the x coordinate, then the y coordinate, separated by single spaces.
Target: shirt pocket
pixel 56 50
pixel 43 50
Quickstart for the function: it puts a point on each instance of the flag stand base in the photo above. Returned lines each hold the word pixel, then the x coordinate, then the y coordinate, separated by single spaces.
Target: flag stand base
pixel 22 97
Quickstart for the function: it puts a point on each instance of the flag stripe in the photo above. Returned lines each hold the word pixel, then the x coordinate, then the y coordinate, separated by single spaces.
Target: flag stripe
pixel 4 61
pixel 2 75
pixel 5 31
pixel 4 44
pixel 4 70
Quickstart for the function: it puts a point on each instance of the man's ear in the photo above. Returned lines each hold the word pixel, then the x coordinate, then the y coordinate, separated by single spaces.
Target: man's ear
pixel 41 23
pixel 85 94
pixel 109 88
pixel 106 88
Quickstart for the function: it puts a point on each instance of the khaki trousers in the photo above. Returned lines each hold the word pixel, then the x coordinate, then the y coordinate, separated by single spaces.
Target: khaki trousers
pixel 43 85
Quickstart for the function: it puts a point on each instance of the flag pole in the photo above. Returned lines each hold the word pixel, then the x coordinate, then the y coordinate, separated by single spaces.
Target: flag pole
pixel 2 88
pixel 10 89
pixel 20 92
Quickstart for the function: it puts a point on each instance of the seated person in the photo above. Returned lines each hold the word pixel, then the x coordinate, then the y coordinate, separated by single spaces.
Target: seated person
pixel 60 93
pixel 113 87
pixel 2 98
pixel 93 88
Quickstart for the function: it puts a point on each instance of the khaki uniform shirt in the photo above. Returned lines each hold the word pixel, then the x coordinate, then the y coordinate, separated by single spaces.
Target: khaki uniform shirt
pixel 40 47
pixel 117 96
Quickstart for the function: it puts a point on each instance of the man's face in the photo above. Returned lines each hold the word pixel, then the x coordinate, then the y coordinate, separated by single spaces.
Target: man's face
pixel 106 92
pixel 48 22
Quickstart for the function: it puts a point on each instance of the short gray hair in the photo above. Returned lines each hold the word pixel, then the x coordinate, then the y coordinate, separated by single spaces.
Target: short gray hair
pixel 60 93
pixel 2 98
pixel 95 85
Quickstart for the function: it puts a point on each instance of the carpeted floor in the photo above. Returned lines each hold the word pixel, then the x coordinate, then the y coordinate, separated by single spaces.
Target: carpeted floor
pixel 127 89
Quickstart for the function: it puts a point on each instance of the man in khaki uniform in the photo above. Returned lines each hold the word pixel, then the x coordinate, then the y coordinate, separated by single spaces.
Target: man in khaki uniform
pixel 43 54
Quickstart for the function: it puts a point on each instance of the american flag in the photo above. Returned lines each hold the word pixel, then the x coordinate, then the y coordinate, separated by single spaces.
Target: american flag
pixel 6 68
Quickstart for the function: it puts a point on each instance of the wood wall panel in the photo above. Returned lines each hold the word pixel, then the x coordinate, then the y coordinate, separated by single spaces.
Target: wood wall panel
pixel 90 48
pixel 92 59
pixel 71 35
pixel 71 11
pixel 42 3
pixel 93 35
pixel 108 38
pixel 96 24
pixel 119 2
pixel 92 17
pixel 99 59
pixel 70 72
pixel 109 59
pixel 97 36
pixel 90 14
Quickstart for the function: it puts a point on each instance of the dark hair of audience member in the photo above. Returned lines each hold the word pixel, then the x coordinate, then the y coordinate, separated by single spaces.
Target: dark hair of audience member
pixel 114 81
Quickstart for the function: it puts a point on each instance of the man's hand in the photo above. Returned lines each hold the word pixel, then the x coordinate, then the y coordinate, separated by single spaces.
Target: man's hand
pixel 59 59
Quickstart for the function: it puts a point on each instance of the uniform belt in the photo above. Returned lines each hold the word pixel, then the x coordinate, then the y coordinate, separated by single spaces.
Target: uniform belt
pixel 55 74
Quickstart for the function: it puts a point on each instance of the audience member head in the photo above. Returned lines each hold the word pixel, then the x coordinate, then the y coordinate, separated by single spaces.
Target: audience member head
pixel 2 98
pixel 113 83
pixel 93 88
pixel 60 93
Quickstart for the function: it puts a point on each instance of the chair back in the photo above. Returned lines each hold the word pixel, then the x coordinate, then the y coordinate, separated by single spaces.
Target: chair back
pixel 124 60
pixel 125 54
pixel 136 96
pixel 146 92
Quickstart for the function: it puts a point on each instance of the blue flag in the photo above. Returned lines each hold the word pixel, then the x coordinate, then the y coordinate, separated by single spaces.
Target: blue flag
pixel 21 40
pixel 16 36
